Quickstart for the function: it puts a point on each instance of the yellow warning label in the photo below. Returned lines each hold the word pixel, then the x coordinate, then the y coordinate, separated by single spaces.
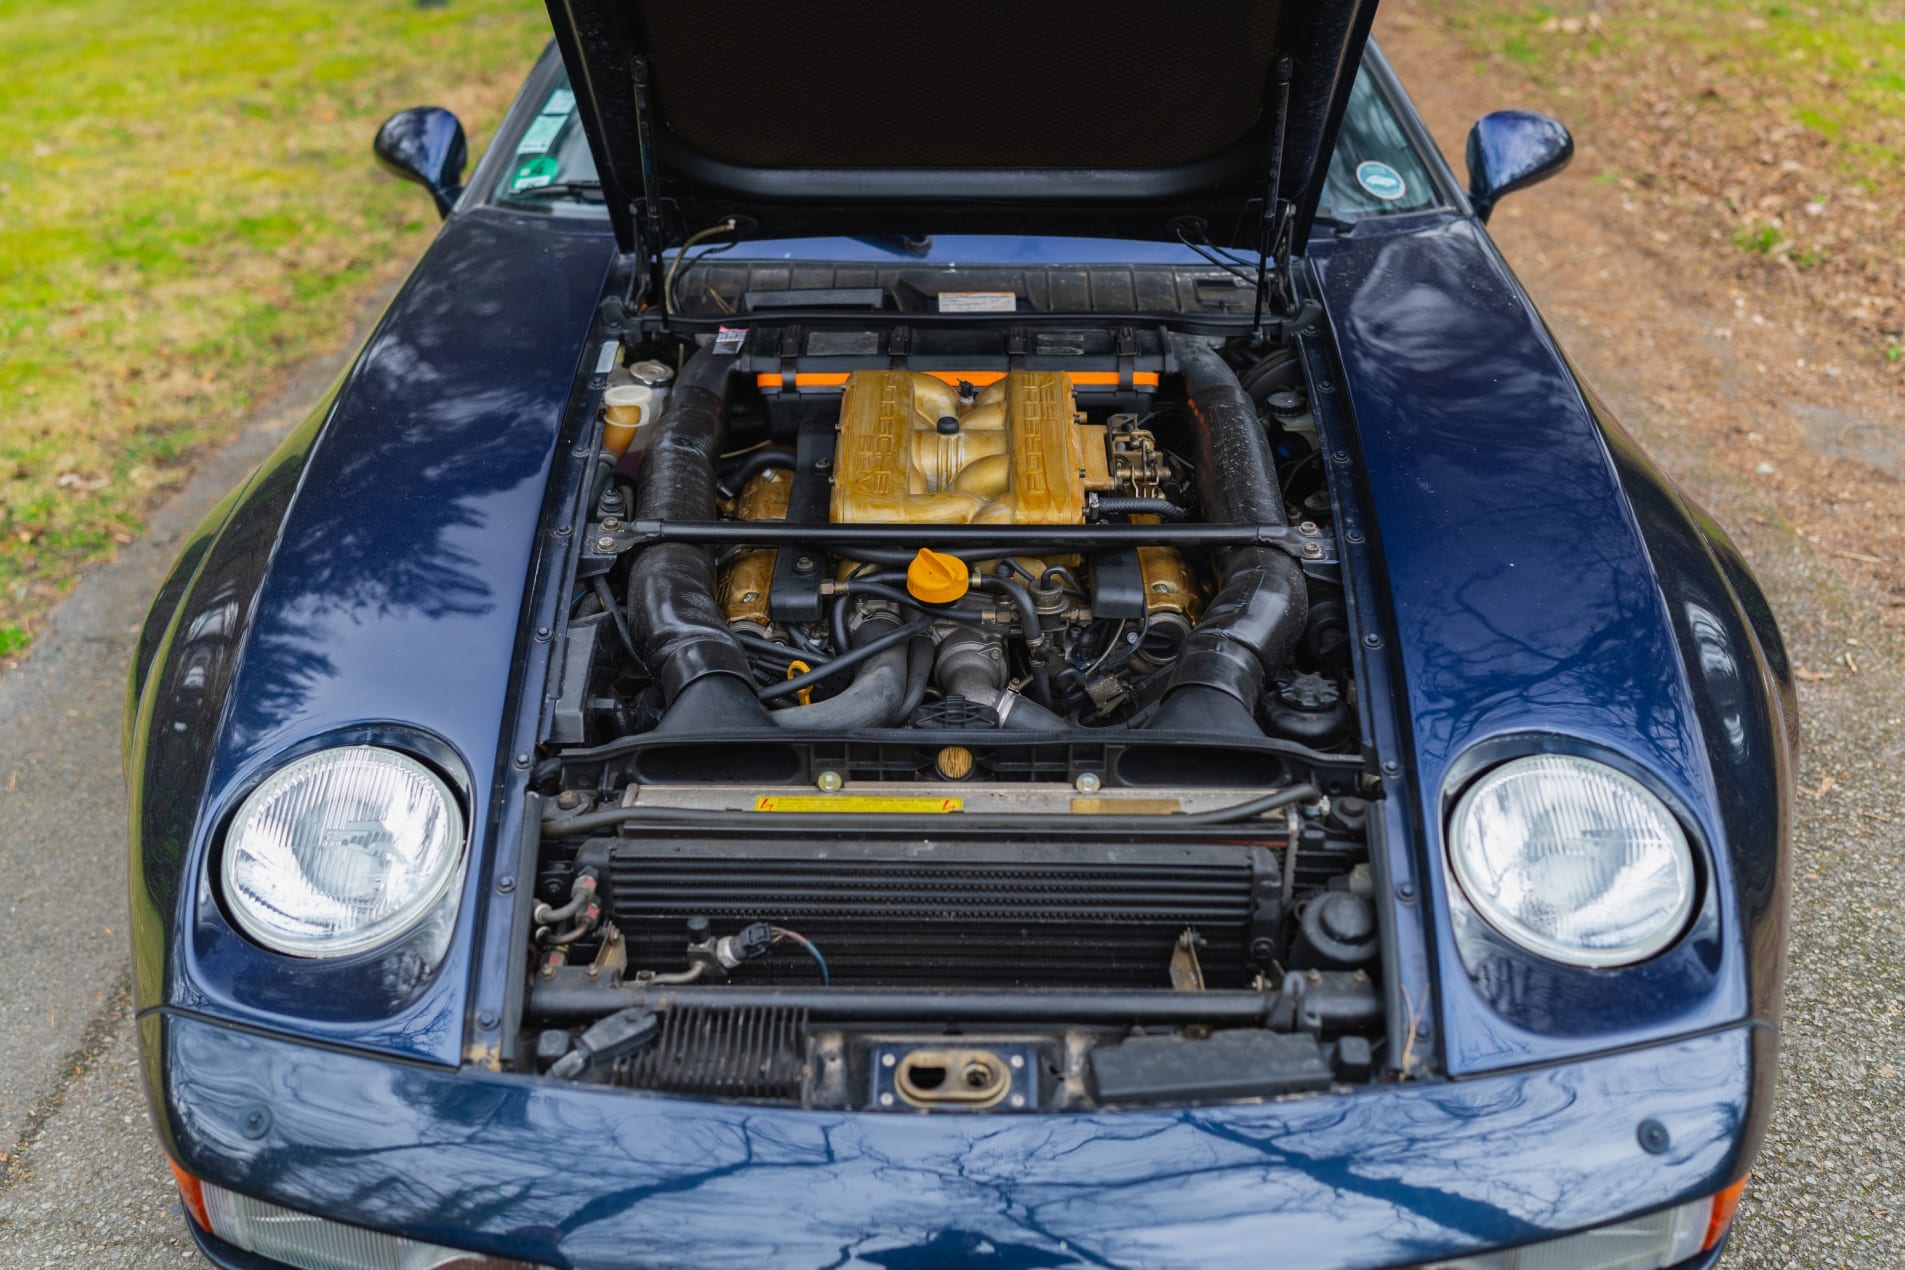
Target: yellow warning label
pixel 856 803
pixel 1125 806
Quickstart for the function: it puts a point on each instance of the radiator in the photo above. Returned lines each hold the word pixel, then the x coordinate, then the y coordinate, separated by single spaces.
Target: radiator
pixel 950 913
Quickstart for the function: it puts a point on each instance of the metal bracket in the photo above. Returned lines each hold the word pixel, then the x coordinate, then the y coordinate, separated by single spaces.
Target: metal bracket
pixel 606 540
pixel 1187 973
pixel 795 594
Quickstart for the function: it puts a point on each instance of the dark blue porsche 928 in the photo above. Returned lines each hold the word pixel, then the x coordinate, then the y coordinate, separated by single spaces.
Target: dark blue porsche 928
pixel 908 653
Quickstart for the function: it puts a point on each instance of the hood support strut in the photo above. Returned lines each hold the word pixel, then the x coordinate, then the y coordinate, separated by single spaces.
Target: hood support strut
pixel 1273 235
pixel 647 209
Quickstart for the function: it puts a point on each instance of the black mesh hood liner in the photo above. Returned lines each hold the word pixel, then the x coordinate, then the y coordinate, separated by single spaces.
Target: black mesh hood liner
pixel 991 83
pixel 1104 118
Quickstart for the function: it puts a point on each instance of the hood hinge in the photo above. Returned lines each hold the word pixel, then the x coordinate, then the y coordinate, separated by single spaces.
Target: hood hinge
pixel 1279 217
pixel 646 212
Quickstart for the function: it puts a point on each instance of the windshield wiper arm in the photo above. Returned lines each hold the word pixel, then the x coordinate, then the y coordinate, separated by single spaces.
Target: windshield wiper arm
pixel 589 190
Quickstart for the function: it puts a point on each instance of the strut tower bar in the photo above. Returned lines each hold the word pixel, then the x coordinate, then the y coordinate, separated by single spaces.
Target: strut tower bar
pixel 1299 540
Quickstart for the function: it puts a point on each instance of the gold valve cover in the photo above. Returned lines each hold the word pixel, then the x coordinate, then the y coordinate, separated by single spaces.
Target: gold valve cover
pixel 1020 455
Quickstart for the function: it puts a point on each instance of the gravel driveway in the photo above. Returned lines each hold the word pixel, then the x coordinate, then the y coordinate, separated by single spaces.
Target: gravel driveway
pixel 1723 401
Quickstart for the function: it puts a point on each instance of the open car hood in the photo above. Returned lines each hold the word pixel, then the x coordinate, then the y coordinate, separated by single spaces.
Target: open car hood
pixel 1101 118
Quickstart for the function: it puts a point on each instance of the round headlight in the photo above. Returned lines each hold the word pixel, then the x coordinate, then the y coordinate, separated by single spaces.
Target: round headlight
pixel 340 851
pixel 1573 860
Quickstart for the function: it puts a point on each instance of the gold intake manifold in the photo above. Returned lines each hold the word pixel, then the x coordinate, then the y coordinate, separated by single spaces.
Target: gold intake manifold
pixel 911 450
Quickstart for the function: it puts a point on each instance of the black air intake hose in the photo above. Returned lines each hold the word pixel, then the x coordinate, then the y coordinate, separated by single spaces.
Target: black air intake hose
pixel 676 621
pixel 1258 613
pixel 874 696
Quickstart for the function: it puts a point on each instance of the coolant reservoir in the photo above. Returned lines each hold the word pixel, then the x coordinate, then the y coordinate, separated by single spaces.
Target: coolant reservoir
pixel 625 408
pixel 656 376
pixel 1290 407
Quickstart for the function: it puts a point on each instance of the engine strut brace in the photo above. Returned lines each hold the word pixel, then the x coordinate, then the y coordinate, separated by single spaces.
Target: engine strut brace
pixel 960 537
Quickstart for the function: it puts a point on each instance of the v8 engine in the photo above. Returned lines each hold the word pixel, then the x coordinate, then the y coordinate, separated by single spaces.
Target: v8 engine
pixel 920 448
pixel 1064 537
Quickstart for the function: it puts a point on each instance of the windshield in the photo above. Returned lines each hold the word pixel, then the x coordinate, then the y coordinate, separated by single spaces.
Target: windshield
pixel 552 162
pixel 1374 171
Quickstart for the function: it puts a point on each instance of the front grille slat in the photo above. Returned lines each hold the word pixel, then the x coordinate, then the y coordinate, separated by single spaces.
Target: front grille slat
pixel 755 1053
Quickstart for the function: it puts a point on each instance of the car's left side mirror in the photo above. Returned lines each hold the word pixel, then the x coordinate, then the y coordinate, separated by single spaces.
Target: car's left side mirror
pixel 425 144
pixel 1510 150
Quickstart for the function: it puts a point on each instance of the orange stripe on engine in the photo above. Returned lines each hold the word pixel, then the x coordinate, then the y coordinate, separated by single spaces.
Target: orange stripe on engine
pixel 806 379
pixel 977 378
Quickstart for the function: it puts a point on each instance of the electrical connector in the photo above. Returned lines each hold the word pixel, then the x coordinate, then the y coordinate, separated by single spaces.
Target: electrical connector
pixel 621 1034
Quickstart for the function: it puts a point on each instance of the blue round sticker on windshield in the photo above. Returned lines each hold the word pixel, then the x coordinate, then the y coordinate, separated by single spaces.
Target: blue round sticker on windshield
pixel 1381 180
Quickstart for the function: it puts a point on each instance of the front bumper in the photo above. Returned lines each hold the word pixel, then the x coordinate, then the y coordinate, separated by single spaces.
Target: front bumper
pixel 590 1177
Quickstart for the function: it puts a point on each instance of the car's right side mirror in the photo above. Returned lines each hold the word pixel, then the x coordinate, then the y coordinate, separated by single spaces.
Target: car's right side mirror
pixel 1510 150
pixel 425 144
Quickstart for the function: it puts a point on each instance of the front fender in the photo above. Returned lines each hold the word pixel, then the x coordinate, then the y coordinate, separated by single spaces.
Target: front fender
pixel 1735 659
pixel 156 630
pixel 1544 588
pixel 371 575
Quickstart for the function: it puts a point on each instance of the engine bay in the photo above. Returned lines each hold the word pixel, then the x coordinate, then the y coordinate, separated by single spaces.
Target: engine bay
pixel 955 720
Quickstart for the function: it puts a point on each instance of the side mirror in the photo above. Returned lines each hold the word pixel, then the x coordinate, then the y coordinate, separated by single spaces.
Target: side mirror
pixel 425 144
pixel 1510 150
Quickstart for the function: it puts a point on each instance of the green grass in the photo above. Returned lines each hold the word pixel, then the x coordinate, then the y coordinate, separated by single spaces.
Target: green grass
pixel 1760 242
pixel 189 207
pixel 1781 125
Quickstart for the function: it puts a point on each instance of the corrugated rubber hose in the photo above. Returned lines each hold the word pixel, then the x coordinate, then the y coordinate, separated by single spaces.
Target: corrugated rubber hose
pixel 1257 615
pixel 676 620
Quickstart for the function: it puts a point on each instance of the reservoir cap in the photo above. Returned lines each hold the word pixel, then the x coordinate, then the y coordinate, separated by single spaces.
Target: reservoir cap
pixel 937 578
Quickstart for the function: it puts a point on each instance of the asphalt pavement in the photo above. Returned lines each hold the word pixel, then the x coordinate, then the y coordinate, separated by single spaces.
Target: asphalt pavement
pixel 82 1180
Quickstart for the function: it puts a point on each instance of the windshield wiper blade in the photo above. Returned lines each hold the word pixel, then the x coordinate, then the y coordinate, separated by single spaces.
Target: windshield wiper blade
pixel 588 190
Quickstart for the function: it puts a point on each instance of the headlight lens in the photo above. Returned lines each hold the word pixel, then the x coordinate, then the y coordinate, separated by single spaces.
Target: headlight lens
pixel 340 851
pixel 308 1241
pixel 1573 860
pixel 1665 1238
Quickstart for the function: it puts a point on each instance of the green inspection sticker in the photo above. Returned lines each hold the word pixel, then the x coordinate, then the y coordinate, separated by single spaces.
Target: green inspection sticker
pixel 533 174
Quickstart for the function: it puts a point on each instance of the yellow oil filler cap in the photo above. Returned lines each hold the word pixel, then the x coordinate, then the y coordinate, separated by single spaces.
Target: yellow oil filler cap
pixel 937 578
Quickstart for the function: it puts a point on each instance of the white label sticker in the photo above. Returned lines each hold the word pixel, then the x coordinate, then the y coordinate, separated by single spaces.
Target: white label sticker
pixel 560 102
pixel 541 134
pixel 606 362
pixel 978 302
pixel 729 338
